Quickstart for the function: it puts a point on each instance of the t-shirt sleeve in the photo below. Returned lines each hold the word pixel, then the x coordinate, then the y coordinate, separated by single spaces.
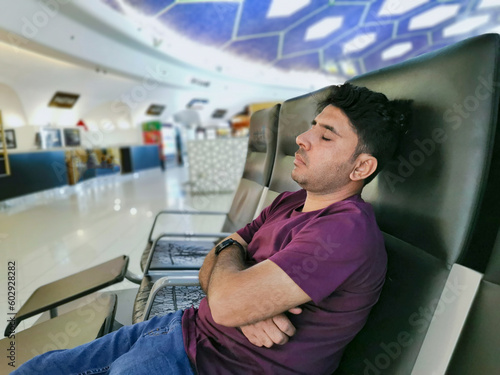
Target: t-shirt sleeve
pixel 324 255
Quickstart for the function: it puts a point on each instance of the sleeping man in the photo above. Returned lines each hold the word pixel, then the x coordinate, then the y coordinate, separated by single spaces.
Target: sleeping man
pixel 289 291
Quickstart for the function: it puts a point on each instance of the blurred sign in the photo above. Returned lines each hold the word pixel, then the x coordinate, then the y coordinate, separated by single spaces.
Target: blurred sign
pixel 151 126
pixel 200 82
pixel 219 113
pixel 63 100
pixel 155 110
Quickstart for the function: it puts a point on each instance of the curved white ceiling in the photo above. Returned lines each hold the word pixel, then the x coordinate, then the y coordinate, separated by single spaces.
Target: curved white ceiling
pixel 344 38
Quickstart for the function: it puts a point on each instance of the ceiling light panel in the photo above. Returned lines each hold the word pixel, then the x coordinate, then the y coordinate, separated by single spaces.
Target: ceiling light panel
pixel 323 28
pixel 285 8
pixel 398 7
pixel 489 4
pixel 434 16
pixel 466 26
pixel 359 43
pixel 397 50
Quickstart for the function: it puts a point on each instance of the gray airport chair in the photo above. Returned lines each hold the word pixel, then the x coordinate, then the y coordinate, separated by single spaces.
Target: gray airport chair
pixel 173 254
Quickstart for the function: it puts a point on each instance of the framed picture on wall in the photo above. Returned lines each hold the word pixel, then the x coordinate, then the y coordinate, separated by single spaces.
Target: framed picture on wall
pixel 72 137
pixel 51 138
pixel 10 139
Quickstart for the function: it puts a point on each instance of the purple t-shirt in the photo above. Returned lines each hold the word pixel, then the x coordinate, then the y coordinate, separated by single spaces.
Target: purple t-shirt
pixel 336 255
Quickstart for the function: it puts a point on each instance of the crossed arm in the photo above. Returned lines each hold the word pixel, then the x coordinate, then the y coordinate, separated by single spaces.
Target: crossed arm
pixel 252 298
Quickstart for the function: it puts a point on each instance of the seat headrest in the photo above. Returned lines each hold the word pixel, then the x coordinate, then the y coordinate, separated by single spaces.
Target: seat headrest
pixel 437 194
pixel 261 145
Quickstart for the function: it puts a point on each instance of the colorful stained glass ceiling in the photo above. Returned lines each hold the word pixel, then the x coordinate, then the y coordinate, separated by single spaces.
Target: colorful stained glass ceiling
pixel 344 38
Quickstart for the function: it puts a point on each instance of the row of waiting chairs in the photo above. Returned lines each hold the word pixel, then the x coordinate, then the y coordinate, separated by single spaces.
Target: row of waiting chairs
pixel 436 205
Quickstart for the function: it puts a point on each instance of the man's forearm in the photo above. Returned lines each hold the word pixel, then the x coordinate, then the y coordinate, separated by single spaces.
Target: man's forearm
pixel 206 270
pixel 229 262
pixel 209 262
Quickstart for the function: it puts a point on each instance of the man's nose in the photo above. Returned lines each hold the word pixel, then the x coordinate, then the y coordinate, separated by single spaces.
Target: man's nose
pixel 303 140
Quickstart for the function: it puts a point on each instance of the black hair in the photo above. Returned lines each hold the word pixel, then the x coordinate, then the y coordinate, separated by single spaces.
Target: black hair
pixel 378 122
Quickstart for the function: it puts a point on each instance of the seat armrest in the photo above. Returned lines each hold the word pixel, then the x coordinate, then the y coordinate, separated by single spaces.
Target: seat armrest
pixel 66 331
pixel 180 212
pixel 57 293
pixel 185 235
pixel 175 278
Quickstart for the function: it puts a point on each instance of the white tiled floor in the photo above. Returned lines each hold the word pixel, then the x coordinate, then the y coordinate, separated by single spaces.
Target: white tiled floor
pixel 54 234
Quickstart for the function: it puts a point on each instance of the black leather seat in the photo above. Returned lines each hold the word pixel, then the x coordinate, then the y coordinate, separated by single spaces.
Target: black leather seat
pixel 437 204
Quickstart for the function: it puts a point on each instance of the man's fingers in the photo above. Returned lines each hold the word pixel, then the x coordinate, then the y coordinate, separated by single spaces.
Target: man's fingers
pixel 295 310
pixel 284 324
pixel 254 340
pixel 256 334
pixel 266 339
pixel 275 333
pixel 275 330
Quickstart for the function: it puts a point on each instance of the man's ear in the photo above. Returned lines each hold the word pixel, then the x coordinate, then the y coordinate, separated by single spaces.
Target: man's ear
pixel 364 166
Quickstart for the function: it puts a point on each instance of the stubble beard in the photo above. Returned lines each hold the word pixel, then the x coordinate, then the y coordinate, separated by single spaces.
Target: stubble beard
pixel 324 184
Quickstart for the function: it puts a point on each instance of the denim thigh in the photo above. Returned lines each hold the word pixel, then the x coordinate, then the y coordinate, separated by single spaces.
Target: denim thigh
pixel 151 347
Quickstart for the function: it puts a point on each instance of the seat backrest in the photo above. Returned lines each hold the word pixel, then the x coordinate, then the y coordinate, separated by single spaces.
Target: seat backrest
pixel 437 202
pixel 257 169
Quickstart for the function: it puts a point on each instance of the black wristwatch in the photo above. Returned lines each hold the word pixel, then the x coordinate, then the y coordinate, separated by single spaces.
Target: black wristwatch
pixel 228 243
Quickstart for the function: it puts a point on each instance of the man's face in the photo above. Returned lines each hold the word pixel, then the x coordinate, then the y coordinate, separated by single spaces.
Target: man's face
pixel 324 162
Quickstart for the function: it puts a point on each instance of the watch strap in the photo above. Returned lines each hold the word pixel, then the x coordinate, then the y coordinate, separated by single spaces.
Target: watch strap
pixel 229 242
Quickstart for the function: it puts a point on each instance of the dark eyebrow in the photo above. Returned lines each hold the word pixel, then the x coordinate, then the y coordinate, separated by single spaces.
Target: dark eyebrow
pixel 331 128
pixel 327 127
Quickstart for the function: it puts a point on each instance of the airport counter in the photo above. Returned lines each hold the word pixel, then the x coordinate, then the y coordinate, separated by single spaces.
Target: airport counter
pixel 35 171
pixel 32 172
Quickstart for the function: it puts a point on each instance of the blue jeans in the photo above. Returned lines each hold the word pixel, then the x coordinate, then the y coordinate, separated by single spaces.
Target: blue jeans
pixel 155 346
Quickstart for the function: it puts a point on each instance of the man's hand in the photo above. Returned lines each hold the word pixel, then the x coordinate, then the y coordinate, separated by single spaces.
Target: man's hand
pixel 275 330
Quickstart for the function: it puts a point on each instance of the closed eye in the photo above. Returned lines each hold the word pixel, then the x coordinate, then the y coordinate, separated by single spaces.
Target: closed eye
pixel 313 122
